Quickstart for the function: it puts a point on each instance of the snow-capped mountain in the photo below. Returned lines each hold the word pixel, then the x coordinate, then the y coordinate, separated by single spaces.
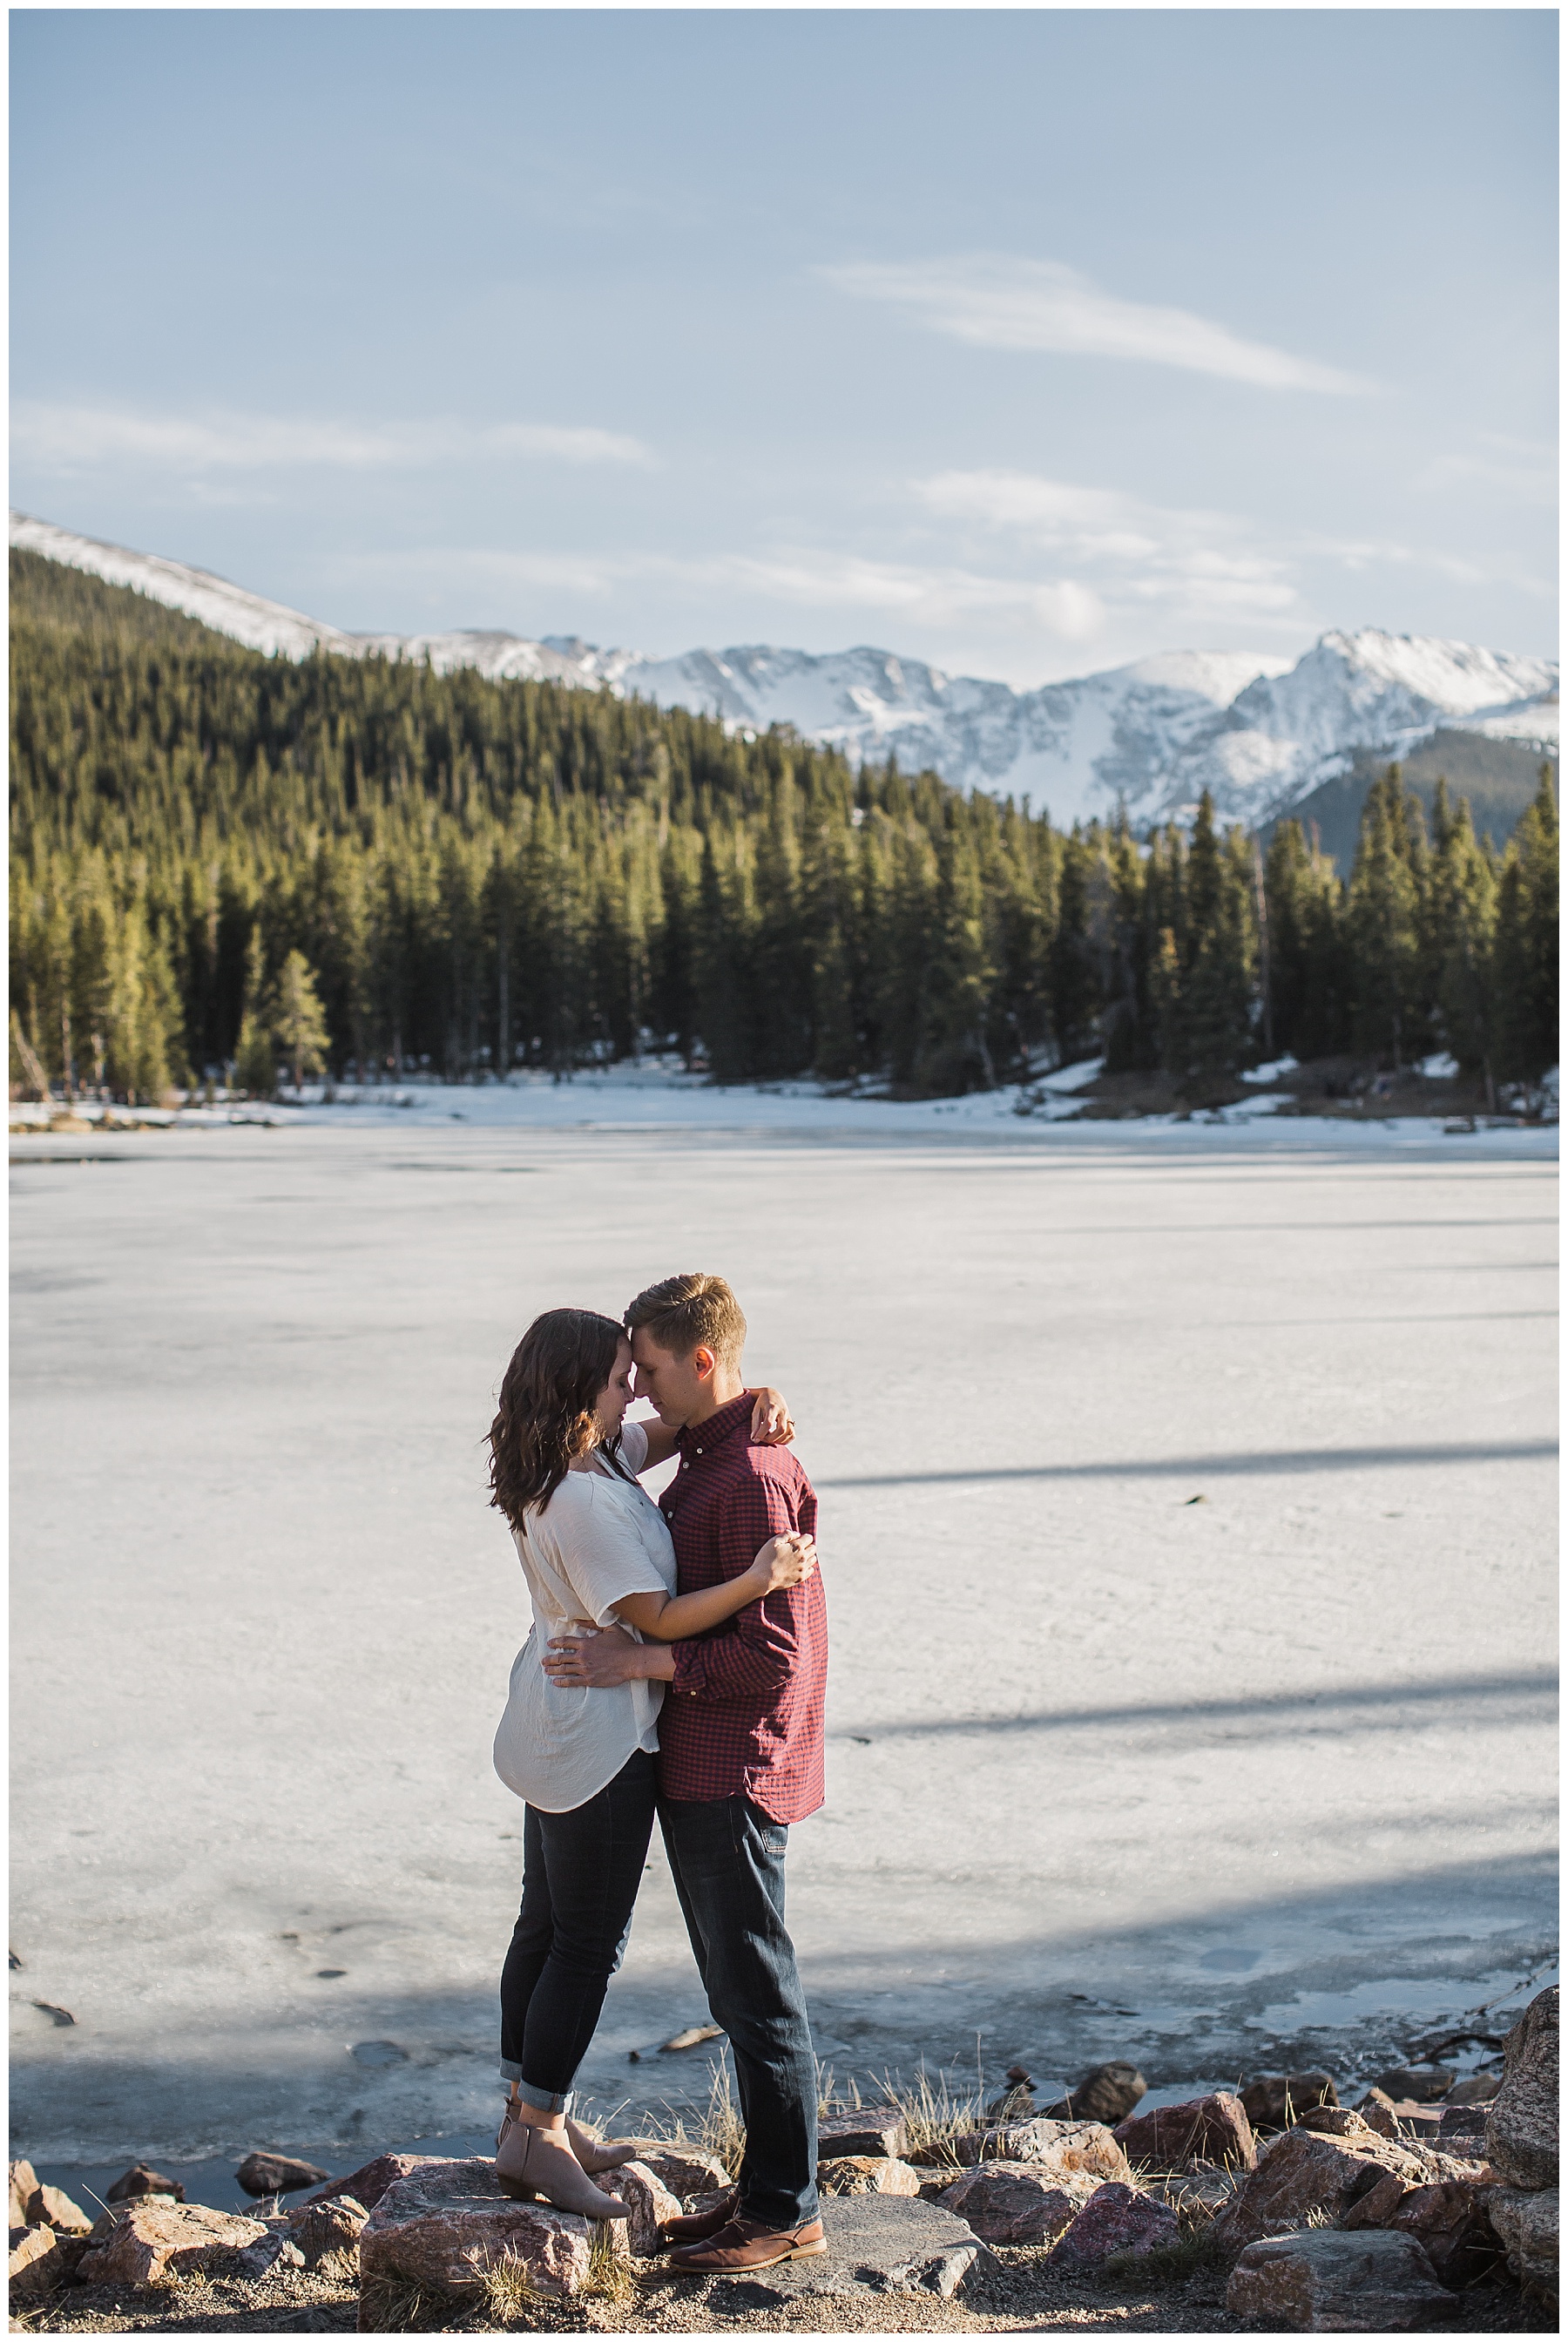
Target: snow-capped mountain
pixel 1260 732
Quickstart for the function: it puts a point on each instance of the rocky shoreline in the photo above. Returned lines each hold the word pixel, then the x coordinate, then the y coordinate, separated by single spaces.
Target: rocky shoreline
pixel 1431 2205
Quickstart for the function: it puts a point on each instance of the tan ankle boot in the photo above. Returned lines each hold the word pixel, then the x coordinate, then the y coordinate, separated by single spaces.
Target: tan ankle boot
pixel 527 2165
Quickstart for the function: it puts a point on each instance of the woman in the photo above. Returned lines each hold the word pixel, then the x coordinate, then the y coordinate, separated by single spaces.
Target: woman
pixel 595 1552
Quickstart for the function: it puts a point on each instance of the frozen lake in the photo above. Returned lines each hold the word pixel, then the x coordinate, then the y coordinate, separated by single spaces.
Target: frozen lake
pixel 1112 1771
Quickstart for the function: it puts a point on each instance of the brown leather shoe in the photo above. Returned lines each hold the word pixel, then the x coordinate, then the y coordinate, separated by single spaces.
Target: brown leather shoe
pixel 745 2244
pixel 696 2227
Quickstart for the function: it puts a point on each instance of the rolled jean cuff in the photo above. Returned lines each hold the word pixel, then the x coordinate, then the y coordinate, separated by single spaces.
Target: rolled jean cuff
pixel 543 2102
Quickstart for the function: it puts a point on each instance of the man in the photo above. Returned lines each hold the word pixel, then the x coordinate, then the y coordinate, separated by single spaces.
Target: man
pixel 740 1758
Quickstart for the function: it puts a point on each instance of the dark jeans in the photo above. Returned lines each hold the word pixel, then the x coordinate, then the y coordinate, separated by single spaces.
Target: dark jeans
pixel 727 1859
pixel 580 1873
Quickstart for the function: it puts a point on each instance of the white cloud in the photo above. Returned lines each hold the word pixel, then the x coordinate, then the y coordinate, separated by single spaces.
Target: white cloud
pixel 66 439
pixel 1001 303
pixel 1204 564
pixel 1523 470
pixel 931 596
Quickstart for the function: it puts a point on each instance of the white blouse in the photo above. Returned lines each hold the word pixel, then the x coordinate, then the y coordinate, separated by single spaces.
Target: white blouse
pixel 598 1539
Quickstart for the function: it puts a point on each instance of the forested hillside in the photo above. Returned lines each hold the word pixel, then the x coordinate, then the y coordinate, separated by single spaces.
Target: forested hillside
pixel 220 858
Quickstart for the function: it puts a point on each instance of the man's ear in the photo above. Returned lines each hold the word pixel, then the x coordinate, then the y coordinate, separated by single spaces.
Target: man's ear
pixel 703 1363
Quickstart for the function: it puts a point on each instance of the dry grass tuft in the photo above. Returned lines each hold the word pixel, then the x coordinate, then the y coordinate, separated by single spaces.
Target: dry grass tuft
pixel 509 2293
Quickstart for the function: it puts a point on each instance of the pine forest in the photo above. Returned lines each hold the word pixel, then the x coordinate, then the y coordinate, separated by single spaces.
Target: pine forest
pixel 229 867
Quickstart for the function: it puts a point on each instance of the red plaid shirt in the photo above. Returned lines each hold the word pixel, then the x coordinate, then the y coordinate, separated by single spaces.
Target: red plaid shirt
pixel 744 1717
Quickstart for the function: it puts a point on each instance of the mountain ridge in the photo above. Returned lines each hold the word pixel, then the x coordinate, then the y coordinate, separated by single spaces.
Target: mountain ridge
pixel 1259 731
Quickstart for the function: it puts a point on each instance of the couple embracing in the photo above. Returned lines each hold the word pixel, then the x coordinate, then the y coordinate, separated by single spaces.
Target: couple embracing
pixel 675 1667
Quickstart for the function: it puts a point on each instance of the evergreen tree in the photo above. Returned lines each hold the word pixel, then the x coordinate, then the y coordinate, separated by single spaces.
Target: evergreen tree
pixel 298 1024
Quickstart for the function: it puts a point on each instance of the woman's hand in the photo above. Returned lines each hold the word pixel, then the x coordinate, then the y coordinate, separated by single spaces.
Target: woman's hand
pixel 772 1426
pixel 783 1561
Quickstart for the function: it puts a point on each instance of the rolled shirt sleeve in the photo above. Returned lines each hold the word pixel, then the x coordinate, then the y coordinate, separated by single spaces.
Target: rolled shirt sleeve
pixel 603 1558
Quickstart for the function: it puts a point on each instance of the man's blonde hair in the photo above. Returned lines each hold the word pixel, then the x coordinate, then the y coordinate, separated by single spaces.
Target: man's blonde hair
pixel 683 1313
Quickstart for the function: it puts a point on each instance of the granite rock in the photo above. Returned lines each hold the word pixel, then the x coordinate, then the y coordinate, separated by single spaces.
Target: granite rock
pixel 862 2130
pixel 875 2245
pixel 688 2172
pixel 1422 2083
pixel 370 2183
pixel 276 2175
pixel 867 2175
pixel 40 2259
pixel 141 2179
pixel 443 2225
pixel 1115 2219
pixel 1305 2172
pixel 151 2237
pixel 1522 2121
pixel 1321 2281
pixel 1107 2094
pixel 1018 2203
pixel 1526 2220
pixel 329 2232
pixel 648 2204
pixel 1273 2101
pixel 23 2183
pixel 1061 2147
pixel 1211 2129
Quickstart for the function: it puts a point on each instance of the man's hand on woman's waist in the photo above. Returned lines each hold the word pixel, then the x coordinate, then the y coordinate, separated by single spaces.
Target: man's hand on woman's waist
pixel 600 1659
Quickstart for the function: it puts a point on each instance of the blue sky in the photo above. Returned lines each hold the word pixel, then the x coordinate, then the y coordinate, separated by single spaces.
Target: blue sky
pixel 1027 343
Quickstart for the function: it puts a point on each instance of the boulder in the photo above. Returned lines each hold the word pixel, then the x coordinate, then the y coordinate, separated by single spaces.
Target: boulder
pixel 276 2175
pixel 1015 2104
pixel 1107 2094
pixel 1115 2219
pixel 1463 2127
pixel 1377 2112
pixel 1017 2203
pixel 862 2130
pixel 688 2172
pixel 151 2237
pixel 141 2181
pixel 1211 2129
pixel 329 2233
pixel 867 2175
pixel 443 2225
pixel 1522 2121
pixel 1196 2196
pixel 1451 2219
pixel 24 2182
pixel 1350 2122
pixel 63 2214
pixel 1526 2220
pixel 1274 2101
pixel 1321 2281
pixel 40 2259
pixel 1305 2172
pixel 1377 2207
pixel 1061 2147
pixel 648 2202
pixel 876 2245
pixel 1422 2083
pixel 370 2183
pixel 1475 2090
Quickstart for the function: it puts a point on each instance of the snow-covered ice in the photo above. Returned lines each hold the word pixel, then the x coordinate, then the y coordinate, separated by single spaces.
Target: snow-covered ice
pixel 1111 1771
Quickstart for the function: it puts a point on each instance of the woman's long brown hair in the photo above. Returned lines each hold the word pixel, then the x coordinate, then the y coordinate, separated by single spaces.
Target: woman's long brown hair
pixel 546 1418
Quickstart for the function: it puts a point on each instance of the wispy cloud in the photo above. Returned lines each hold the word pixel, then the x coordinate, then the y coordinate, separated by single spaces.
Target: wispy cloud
pixel 1001 303
pixel 66 439
pixel 1206 563
pixel 933 595
pixel 1523 470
